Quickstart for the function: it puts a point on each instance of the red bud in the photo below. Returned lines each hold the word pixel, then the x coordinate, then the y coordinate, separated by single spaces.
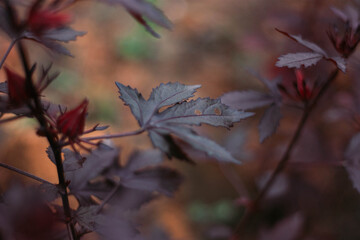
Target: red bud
pixel 16 88
pixel 72 123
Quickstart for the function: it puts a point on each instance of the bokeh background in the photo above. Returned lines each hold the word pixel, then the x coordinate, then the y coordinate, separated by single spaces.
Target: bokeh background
pixel 216 44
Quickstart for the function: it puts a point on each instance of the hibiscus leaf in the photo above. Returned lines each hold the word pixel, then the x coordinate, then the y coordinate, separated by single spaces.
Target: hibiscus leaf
pixel 196 112
pixel 166 144
pixel 142 10
pixel 307 44
pixel 86 216
pixel 95 163
pixel 65 34
pixel 296 60
pixel 163 95
pixel 110 226
pixel 340 63
pixel 203 144
pixel 179 113
pixel 160 179
pixel 269 122
pixel 144 159
pixel 247 99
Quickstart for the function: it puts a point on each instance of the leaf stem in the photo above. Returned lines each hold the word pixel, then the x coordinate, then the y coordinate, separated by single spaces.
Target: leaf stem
pixel 11 119
pixel 118 135
pixel 286 156
pixel 107 198
pixel 38 112
pixel 29 175
pixel 8 52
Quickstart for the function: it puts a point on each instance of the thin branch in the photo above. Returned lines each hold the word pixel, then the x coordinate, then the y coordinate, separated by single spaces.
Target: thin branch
pixel 286 156
pixel 118 135
pixel 39 114
pixel 21 172
pixel 107 198
pixel 12 44
pixel 11 119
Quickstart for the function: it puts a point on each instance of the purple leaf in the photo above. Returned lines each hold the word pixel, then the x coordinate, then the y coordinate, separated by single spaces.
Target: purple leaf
pixel 269 121
pixel 143 159
pixel 65 34
pixel 196 112
pixel 95 163
pixel 85 216
pixel 73 161
pixel 296 60
pixel 50 155
pixel 340 63
pixel 349 15
pixel 161 125
pixel 247 99
pixel 51 192
pixel 111 226
pixel 51 39
pixel 160 179
pixel 140 173
pixel 128 199
pixel 3 87
pixel 140 10
pixel 166 143
pixel 352 161
pixel 203 144
pixel 163 95
pixel 307 44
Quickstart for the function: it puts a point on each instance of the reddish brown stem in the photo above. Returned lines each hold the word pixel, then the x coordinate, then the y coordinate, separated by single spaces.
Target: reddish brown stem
pixel 286 156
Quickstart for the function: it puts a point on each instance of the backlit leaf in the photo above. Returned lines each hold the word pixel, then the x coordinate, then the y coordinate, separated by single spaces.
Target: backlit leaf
pixel 296 60
pixel 269 122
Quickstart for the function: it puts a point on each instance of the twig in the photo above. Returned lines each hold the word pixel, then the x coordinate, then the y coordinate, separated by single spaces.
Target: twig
pixel 118 135
pixel 29 175
pixel 8 52
pixel 286 156
pixel 107 198
pixel 11 119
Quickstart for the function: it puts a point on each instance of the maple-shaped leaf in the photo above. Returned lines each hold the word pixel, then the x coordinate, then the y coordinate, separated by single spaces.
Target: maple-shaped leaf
pixel 196 112
pixel 352 161
pixel 95 163
pixel 85 216
pixel 178 114
pixel 164 95
pixel 72 161
pixel 51 191
pixel 349 15
pixel 111 226
pixel 296 60
pixel 129 199
pixel 141 173
pixel 340 63
pixel 142 11
pixel 50 154
pixel 245 100
pixel 309 45
pixel 52 39
pixel 307 59
pixel 269 121
pixel 211 148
